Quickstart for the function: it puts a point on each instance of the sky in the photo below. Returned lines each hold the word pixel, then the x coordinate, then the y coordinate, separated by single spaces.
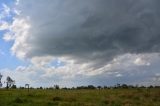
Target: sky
pixel 82 42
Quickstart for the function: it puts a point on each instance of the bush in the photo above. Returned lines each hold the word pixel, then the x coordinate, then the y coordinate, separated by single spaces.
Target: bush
pixel 14 87
pixel 57 98
pixel 18 100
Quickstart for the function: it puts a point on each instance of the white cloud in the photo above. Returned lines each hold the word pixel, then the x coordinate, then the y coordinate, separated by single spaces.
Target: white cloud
pixel 5 11
pixel 17 12
pixel 8 36
pixel 4 25
pixel 17 2
pixel 39 73
pixel 18 31
pixel 119 75
pixel 41 61
pixel 140 61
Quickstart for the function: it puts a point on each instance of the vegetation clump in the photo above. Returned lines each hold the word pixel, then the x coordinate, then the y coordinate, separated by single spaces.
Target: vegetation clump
pixel 56 98
pixel 18 100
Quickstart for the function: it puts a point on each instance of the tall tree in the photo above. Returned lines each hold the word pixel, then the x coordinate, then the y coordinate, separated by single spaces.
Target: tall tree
pixel 9 82
pixel 0 80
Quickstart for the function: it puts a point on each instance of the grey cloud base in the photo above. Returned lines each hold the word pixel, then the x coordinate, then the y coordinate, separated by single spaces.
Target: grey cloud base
pixel 92 29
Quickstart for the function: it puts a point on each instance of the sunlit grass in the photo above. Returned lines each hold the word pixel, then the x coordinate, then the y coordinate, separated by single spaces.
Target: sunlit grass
pixel 103 97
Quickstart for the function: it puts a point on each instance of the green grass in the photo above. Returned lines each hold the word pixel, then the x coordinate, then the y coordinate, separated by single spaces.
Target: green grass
pixel 104 97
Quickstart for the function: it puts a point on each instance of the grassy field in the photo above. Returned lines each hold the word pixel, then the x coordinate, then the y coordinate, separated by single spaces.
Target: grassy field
pixel 104 97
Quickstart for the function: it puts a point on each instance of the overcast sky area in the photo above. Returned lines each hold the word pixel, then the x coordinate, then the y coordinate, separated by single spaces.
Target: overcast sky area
pixel 80 42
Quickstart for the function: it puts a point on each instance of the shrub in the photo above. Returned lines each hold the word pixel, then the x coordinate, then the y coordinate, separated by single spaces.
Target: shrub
pixel 18 100
pixel 57 98
pixel 106 101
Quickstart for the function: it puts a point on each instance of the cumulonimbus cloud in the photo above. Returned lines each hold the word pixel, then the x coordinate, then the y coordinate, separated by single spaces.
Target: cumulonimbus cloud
pixel 87 31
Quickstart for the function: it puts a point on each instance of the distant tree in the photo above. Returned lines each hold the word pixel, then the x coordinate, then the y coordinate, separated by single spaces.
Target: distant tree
pixel 14 87
pixel 91 87
pixel 106 87
pixel 142 86
pixel 0 80
pixel 73 88
pixel 131 86
pixel 41 87
pixel 86 87
pixel 65 88
pixel 31 88
pixel 81 87
pixel 99 87
pixel 124 86
pixel 21 87
pixel 9 82
pixel 151 86
pixel 157 86
pixel 56 86
pixel 118 85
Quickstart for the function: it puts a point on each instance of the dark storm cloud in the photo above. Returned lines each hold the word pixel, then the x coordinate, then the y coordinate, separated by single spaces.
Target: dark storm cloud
pixel 88 30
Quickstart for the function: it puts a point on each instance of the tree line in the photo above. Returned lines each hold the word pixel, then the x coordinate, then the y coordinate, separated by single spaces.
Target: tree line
pixel 90 87
pixel 10 83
